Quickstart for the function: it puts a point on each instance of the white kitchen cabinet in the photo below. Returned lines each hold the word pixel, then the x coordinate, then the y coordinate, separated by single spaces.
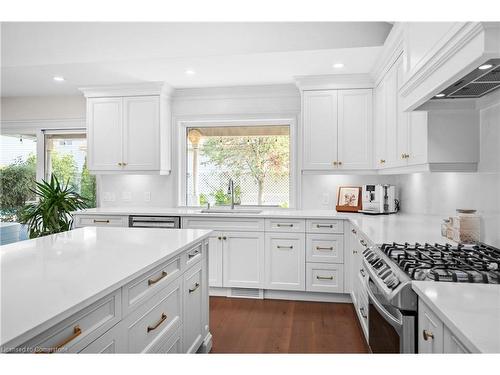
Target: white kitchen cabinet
pixel 325 277
pixel 215 260
pixel 325 248
pixel 417 138
pixel 243 259
pixel 337 128
pixel 430 330
pixel 128 130
pixel 355 129
pixel 193 308
pixel 285 261
pixel 320 129
pixel 380 125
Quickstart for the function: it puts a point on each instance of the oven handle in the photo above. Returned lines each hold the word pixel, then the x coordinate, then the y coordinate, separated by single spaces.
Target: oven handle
pixel 396 323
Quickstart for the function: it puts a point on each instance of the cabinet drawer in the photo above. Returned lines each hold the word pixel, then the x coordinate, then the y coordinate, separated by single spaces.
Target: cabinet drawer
pixel 324 277
pixel 158 317
pixel 325 226
pixel 142 288
pixel 285 225
pixel 78 331
pixel 223 223
pixel 194 254
pixel 171 344
pixel 111 342
pixel 327 248
pixel 100 221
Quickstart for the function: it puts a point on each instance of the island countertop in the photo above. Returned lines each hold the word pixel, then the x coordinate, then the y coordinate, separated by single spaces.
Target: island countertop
pixel 46 279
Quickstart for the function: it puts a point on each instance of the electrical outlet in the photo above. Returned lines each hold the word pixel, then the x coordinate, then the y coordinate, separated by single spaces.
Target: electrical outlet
pixel 108 196
pixel 126 196
pixel 326 199
pixel 147 196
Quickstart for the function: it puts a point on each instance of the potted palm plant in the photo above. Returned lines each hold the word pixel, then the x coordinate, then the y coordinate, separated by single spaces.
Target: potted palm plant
pixel 52 212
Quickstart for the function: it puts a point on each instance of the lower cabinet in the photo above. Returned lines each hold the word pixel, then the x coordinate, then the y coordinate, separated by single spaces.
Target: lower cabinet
pixel 285 261
pixel 215 260
pixel 193 309
pixel 433 336
pixel 325 277
pixel 111 342
pixel 243 259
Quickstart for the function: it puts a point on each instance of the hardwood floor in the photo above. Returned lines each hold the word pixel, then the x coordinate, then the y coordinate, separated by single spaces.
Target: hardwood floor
pixel 276 326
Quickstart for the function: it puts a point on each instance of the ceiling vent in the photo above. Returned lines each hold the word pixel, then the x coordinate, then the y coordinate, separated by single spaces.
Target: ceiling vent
pixel 477 83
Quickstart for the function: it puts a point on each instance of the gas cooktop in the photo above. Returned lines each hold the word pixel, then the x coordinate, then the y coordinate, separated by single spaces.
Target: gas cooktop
pixel 479 263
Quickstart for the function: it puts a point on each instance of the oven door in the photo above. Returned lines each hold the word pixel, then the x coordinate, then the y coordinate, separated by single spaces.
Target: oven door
pixel 390 330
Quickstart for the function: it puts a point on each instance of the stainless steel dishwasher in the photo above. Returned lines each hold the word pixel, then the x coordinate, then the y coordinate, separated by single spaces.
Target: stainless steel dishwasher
pixel 141 221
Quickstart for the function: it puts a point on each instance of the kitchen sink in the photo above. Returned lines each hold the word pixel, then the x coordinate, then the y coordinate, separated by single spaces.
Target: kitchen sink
pixel 229 211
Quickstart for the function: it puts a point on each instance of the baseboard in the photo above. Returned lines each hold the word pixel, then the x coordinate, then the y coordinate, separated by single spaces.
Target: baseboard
pixel 287 295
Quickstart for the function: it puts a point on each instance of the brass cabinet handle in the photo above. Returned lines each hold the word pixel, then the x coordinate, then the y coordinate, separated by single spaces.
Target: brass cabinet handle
pixel 284 225
pixel 284 247
pixel 224 238
pixel 162 319
pixel 124 164
pixel 407 156
pixel 324 277
pixel 101 221
pixel 382 161
pixel 362 242
pixel 334 163
pixel 196 286
pixel 324 248
pixel 340 163
pixel 362 312
pixel 120 164
pixel 354 251
pixel 324 226
pixel 219 238
pixel 192 255
pixel 362 272
pixel 354 231
pixel 427 335
pixel 154 281
pixel 77 331
pixel 403 156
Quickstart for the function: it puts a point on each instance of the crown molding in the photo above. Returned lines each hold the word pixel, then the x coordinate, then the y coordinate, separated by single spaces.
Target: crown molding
pixel 393 48
pixel 334 81
pixel 236 92
pixel 132 89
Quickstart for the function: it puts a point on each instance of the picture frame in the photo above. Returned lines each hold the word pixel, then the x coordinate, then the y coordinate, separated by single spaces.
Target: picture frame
pixel 348 199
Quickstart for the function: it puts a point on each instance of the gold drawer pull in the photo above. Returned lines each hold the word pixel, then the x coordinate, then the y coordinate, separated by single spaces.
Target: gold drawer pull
pixel 284 225
pixel 284 247
pixel 362 312
pixel 162 319
pixel 192 255
pixel 154 281
pixel 196 286
pixel 382 161
pixel 101 221
pixel 362 242
pixel 324 226
pixel 77 331
pixel 428 335
pixel 362 272
pixel 324 248
pixel 324 277
pixel 354 231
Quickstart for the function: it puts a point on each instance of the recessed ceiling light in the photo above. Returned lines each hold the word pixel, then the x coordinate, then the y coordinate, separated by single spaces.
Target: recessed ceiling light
pixel 485 66
pixel 190 72
pixel 59 79
pixel 338 65
pixel 439 95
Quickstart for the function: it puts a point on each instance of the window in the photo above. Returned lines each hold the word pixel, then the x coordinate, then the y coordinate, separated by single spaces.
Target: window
pixel 256 158
pixel 66 158
pixel 17 173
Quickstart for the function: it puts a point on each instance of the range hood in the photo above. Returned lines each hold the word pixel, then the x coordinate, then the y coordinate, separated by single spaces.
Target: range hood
pixel 481 81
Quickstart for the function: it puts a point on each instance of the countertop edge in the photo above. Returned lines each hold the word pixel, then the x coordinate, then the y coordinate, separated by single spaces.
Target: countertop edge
pixel 33 332
pixel 446 320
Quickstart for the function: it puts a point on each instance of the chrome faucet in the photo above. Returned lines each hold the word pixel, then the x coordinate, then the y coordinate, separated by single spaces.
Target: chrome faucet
pixel 230 190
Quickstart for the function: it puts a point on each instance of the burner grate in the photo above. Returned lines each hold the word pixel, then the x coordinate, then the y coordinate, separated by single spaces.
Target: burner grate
pixel 479 263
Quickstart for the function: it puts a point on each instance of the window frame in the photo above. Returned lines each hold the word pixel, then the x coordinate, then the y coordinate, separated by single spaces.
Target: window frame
pixel 183 125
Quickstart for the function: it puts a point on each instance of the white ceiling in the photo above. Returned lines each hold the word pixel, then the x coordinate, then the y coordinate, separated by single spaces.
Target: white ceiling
pixel 221 54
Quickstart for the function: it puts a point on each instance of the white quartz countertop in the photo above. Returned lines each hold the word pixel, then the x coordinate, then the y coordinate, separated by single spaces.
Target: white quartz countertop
pixel 45 280
pixel 470 311
pixel 378 228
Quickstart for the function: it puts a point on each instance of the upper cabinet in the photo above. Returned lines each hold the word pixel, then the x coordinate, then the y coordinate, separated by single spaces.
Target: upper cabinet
pixel 337 130
pixel 128 130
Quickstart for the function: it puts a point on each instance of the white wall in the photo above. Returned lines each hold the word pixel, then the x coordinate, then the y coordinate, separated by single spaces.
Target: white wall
pixel 42 108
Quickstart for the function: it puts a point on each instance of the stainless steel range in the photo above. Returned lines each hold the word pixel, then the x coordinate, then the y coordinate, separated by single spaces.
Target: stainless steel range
pixel 393 303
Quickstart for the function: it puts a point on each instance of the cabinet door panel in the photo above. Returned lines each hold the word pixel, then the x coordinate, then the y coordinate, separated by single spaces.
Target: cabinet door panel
pixel 417 138
pixel 391 118
pixel 243 264
pixel 320 129
pixel 215 260
pixel 403 119
pixel 193 309
pixel 355 131
pixel 104 124
pixel 380 126
pixel 142 133
pixel 285 261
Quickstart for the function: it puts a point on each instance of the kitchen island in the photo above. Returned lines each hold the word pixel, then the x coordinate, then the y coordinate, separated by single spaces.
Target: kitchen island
pixel 106 290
